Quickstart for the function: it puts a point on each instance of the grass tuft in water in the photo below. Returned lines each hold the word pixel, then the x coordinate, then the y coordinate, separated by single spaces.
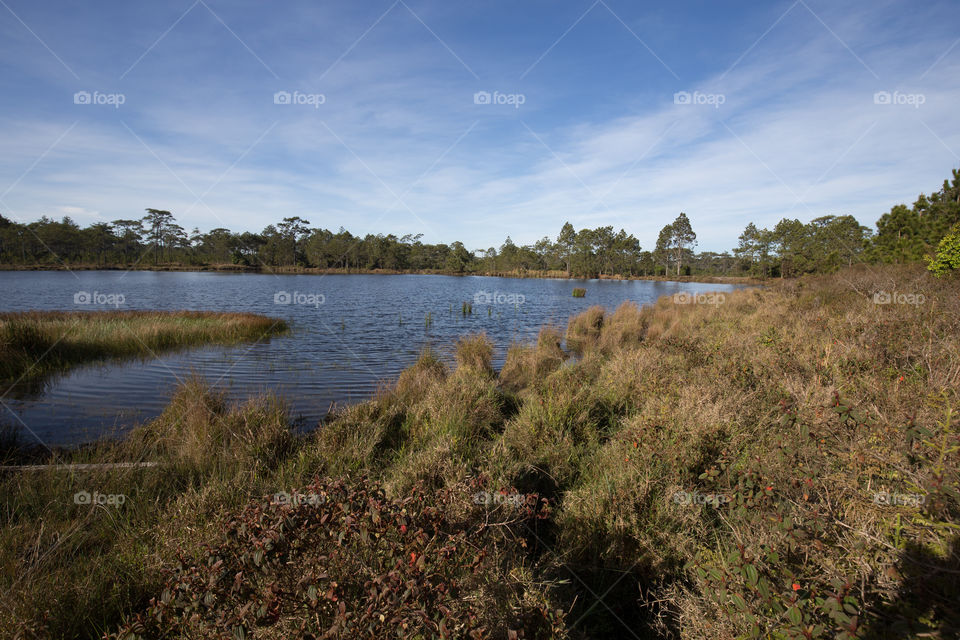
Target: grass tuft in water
pixel 34 344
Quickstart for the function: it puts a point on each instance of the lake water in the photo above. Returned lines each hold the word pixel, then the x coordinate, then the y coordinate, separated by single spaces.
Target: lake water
pixel 349 334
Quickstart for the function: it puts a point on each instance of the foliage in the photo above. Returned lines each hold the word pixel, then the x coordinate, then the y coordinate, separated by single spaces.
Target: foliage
pixel 342 560
pixel 792 248
pixel 947 259
pixel 907 234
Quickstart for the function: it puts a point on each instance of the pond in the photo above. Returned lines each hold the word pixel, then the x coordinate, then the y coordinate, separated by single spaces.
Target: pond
pixel 350 333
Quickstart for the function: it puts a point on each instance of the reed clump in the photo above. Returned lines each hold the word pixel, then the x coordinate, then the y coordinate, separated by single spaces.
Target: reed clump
pixel 527 365
pixel 583 330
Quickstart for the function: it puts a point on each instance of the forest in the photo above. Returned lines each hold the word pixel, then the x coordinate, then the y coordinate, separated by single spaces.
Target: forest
pixel 791 248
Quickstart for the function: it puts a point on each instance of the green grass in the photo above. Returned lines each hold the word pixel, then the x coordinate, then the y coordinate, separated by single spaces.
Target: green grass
pixel 713 470
pixel 579 292
pixel 36 343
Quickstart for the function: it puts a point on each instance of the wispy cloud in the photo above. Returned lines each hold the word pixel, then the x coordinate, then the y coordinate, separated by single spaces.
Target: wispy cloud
pixel 797 134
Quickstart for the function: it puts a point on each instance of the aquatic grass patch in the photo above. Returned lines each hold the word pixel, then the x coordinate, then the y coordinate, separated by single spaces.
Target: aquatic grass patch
pixel 34 344
pixel 579 292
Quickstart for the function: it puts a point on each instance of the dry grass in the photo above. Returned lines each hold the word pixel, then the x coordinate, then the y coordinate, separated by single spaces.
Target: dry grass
pixel 527 365
pixel 475 354
pixel 584 330
pixel 36 343
pixel 788 408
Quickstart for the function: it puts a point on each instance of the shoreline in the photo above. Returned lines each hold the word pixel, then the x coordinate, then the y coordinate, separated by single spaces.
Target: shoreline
pixel 240 269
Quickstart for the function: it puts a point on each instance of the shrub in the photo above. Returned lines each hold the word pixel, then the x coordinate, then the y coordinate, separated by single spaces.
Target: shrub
pixel 341 560
pixel 947 259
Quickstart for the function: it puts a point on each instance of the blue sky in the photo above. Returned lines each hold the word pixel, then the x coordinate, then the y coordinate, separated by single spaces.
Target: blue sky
pixel 782 120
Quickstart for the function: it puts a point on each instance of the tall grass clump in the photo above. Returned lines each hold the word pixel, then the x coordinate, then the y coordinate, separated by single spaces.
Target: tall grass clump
pixel 475 353
pixel 528 365
pixel 579 292
pixel 448 428
pixel 625 328
pixel 583 330
pixel 359 438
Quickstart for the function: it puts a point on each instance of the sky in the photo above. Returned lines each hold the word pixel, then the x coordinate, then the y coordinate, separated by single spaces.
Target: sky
pixel 475 121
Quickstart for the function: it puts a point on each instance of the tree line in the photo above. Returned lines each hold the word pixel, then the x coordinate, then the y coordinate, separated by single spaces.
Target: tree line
pixel 789 249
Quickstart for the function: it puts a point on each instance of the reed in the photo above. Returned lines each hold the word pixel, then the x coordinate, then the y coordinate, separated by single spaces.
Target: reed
pixel 36 343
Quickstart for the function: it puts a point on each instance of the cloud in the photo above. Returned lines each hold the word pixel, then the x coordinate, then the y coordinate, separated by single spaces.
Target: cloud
pixel 798 133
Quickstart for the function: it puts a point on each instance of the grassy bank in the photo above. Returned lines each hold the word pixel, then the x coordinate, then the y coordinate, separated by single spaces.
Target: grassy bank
pixel 36 343
pixel 781 464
